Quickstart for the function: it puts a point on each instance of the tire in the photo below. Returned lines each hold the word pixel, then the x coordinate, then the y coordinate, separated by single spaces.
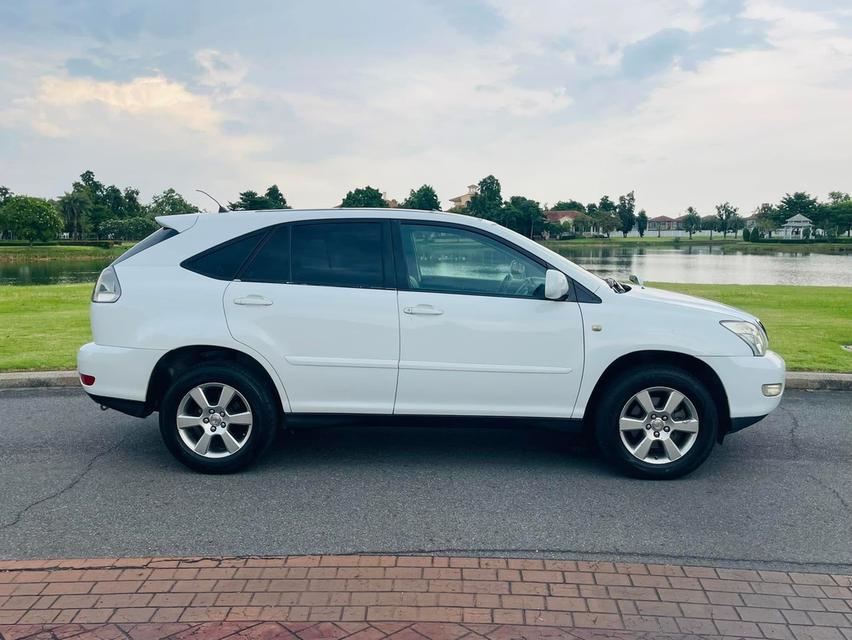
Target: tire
pixel 665 439
pixel 214 438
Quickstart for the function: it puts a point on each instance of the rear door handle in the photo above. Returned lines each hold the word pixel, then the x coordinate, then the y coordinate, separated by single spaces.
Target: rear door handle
pixel 254 301
pixel 422 310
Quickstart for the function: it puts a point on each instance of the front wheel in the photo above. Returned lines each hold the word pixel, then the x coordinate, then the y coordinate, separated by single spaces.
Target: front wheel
pixel 657 423
pixel 217 418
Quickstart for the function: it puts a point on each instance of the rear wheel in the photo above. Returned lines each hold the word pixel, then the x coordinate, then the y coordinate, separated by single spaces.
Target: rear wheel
pixel 217 418
pixel 657 423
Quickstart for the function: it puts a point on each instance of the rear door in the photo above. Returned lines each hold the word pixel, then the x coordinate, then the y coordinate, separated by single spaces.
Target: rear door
pixel 318 301
pixel 477 336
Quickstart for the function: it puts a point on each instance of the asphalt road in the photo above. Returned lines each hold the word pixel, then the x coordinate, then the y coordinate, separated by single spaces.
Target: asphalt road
pixel 78 482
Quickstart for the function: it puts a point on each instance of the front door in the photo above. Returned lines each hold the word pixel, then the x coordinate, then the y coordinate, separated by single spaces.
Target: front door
pixel 318 301
pixel 477 336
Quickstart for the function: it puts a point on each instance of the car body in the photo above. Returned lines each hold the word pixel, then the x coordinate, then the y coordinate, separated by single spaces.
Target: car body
pixel 411 316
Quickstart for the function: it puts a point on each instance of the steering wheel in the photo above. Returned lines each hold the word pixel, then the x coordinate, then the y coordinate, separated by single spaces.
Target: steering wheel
pixel 520 287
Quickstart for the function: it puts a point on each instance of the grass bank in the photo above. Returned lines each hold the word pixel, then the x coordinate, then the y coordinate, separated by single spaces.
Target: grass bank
pixel 42 326
pixel 725 245
pixel 24 253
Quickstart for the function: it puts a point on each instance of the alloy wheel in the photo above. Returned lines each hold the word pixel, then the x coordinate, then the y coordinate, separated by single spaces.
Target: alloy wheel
pixel 658 425
pixel 214 420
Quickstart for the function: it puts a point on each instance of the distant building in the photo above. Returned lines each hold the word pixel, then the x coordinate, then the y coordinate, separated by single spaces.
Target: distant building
pixel 462 200
pixel 662 223
pixel 750 222
pixel 797 228
pixel 559 217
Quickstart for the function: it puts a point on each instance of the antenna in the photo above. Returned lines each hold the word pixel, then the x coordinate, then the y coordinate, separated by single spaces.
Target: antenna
pixel 221 208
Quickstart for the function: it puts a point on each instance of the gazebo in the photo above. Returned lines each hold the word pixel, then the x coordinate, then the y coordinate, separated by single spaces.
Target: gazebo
pixel 797 228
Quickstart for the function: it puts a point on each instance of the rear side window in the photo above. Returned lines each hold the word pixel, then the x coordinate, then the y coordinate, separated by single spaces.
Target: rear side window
pixel 340 254
pixel 272 261
pixel 224 261
pixel 163 233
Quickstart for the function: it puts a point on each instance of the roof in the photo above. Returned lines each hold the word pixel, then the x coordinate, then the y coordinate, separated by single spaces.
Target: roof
pixel 662 219
pixel 556 216
pixel 797 218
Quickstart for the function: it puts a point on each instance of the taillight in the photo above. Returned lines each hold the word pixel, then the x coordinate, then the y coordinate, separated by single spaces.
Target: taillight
pixel 87 380
pixel 107 288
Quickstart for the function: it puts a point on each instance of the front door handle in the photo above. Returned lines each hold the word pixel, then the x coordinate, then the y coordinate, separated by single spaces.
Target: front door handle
pixel 254 301
pixel 422 310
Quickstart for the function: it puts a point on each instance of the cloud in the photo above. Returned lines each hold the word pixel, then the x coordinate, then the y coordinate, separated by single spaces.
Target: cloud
pixel 685 101
pixel 141 97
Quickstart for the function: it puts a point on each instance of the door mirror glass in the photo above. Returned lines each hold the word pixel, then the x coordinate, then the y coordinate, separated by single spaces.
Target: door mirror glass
pixel 555 285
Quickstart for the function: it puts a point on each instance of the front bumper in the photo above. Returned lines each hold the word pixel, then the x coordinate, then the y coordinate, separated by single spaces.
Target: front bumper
pixel 120 373
pixel 743 378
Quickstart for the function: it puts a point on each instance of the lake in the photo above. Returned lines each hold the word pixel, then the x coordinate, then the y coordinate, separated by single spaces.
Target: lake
pixel 709 265
pixel 695 264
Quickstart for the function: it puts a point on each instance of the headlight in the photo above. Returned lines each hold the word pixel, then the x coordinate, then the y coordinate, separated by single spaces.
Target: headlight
pixel 750 333
pixel 107 288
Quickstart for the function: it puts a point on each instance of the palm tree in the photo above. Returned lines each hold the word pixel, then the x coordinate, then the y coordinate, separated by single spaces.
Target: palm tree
pixel 74 207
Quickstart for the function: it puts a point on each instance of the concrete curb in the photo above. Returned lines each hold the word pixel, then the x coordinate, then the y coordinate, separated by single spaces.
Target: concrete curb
pixel 806 380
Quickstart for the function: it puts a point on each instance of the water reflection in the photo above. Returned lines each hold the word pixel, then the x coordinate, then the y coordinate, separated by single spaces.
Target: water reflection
pixel 712 266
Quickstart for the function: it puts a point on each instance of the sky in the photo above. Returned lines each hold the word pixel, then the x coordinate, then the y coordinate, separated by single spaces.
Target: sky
pixel 686 102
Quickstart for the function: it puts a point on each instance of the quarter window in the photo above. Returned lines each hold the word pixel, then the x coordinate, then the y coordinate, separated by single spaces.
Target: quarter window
pixel 342 254
pixel 454 260
pixel 272 261
pixel 223 262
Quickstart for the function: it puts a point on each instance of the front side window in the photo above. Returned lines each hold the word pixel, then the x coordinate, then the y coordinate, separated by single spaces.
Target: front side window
pixel 455 260
pixel 341 254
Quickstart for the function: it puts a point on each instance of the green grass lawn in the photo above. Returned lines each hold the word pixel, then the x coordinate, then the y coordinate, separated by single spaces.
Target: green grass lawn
pixel 41 327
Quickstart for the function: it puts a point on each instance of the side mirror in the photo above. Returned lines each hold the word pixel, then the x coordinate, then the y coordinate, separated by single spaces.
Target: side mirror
pixel 637 280
pixel 555 285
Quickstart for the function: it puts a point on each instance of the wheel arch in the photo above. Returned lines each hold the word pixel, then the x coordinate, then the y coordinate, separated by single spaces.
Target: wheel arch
pixel 174 362
pixel 637 359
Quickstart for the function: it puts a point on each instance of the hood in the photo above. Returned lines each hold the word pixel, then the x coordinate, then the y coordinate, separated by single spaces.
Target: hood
pixel 659 296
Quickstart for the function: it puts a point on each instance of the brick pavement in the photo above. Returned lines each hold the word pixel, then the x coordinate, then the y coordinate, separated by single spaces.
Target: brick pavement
pixel 412 598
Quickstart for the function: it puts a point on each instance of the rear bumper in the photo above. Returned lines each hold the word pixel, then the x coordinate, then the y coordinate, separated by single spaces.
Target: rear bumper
pixel 743 378
pixel 135 408
pixel 120 373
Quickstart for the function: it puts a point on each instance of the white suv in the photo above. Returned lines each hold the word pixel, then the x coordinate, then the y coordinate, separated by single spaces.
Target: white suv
pixel 232 324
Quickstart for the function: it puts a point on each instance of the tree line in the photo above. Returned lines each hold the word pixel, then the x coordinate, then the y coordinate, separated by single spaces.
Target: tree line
pixel 93 209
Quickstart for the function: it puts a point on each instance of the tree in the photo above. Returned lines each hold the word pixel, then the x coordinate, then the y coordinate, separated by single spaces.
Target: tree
pixel 364 197
pixel 275 198
pixel 726 215
pixel 642 223
pixel 834 197
pixel 747 234
pixel 768 218
pixel 5 194
pixel 692 221
pixel 488 202
pixel 74 208
pixel 605 217
pixel 568 205
pixel 134 228
pixel 169 203
pixel 798 203
pixel 839 217
pixel 31 218
pixel 423 198
pixel 522 215
pixel 253 201
pixel 710 223
pixel 582 223
pixel 625 212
